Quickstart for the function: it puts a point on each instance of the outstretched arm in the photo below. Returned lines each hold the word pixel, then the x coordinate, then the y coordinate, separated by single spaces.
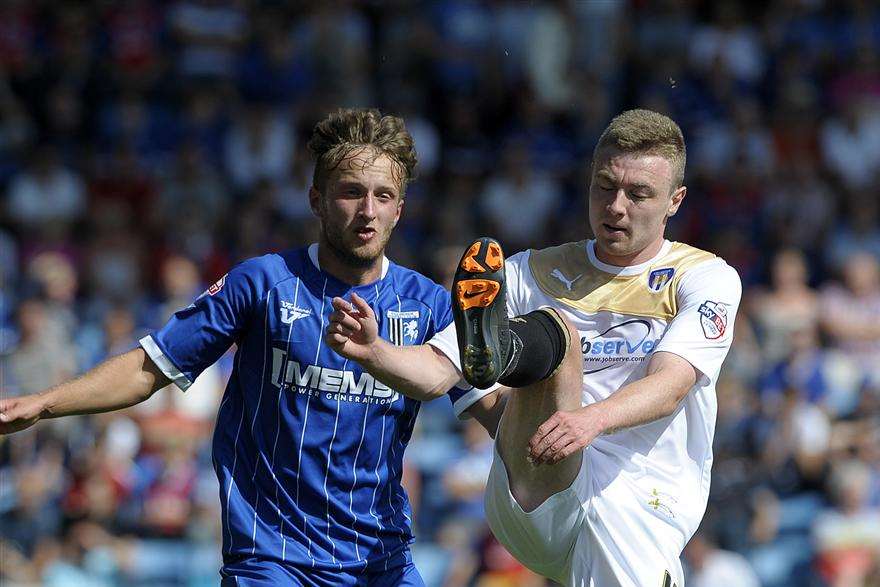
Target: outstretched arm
pixel 655 396
pixel 118 382
pixel 420 372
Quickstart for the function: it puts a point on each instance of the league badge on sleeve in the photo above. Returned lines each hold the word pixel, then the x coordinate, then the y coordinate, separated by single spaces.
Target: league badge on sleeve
pixel 218 285
pixel 713 319
pixel 658 278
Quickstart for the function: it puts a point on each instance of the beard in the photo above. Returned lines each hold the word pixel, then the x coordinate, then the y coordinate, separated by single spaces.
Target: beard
pixel 356 256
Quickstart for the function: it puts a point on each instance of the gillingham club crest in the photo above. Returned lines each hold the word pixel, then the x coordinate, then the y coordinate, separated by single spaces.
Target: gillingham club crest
pixel 403 327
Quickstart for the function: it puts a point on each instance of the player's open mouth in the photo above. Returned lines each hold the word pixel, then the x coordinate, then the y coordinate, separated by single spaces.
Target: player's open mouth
pixel 365 234
pixel 615 230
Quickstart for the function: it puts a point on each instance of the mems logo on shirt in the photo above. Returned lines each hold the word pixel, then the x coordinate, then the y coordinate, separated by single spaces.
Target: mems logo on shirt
pixel 335 384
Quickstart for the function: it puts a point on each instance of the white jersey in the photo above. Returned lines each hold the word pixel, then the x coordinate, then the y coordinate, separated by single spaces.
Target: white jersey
pixel 682 301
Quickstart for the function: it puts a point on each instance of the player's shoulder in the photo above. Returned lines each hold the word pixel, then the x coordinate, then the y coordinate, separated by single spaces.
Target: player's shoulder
pixel 555 255
pixel 685 258
pixel 695 267
pixel 569 256
pixel 412 284
pixel 270 269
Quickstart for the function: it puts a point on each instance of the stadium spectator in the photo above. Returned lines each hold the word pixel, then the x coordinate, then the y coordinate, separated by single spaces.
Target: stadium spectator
pixel 787 306
pixel 850 312
pixel 43 355
pixel 519 186
pixel 259 146
pixel 46 193
pixel 848 534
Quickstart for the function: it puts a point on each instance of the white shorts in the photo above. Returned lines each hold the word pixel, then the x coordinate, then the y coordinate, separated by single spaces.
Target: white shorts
pixel 587 535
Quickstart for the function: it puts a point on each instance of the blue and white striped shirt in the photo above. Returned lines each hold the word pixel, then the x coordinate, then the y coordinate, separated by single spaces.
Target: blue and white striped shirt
pixel 308 447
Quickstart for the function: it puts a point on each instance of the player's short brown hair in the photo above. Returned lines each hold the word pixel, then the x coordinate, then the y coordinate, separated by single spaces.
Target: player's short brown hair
pixel 648 132
pixel 354 129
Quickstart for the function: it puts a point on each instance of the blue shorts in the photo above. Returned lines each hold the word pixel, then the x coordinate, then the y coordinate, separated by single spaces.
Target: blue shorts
pixel 252 572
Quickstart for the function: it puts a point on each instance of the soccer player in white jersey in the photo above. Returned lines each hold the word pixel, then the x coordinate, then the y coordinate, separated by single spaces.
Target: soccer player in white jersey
pixel 604 448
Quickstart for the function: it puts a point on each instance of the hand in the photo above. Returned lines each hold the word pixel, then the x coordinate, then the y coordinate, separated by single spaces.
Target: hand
pixel 18 413
pixel 563 434
pixel 352 329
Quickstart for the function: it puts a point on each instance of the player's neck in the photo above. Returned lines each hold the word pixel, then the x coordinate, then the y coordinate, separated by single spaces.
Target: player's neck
pixel 636 258
pixel 354 275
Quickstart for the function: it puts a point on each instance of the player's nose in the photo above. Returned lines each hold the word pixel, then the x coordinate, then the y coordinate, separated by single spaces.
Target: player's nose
pixel 617 203
pixel 367 207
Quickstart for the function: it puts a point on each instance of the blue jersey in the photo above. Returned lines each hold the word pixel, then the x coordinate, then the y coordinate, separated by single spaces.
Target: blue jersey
pixel 308 447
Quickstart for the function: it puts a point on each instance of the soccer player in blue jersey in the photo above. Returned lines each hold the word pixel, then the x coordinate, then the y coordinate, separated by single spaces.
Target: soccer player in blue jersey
pixel 308 446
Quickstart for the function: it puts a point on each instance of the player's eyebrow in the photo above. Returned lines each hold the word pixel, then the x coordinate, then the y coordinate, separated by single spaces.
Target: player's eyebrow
pixel 642 187
pixel 349 183
pixel 634 186
pixel 605 174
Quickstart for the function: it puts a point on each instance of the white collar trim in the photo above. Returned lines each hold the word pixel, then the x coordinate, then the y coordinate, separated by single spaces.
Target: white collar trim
pixel 628 270
pixel 313 255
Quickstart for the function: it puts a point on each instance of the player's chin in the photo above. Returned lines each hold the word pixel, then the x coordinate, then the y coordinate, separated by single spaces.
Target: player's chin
pixel 616 246
pixel 367 252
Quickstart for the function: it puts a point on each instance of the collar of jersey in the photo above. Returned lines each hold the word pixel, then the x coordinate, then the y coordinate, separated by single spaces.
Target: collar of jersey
pixel 313 257
pixel 626 271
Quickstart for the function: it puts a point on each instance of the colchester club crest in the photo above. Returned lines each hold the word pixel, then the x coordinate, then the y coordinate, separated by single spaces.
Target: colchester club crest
pixel 658 278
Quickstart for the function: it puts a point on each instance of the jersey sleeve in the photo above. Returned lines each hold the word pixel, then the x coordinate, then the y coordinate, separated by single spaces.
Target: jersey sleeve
pixel 463 395
pixel 196 336
pixel 702 330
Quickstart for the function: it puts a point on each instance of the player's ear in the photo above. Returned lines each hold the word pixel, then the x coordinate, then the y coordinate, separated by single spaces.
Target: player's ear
pixel 399 210
pixel 677 197
pixel 315 202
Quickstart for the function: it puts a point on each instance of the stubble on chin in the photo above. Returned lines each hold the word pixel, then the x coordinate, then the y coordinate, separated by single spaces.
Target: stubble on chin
pixel 353 256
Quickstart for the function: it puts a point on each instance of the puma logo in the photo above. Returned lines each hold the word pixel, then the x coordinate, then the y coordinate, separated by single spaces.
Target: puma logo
pixel 568 283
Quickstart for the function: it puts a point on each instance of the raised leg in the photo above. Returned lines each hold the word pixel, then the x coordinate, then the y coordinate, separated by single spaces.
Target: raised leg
pixel 529 407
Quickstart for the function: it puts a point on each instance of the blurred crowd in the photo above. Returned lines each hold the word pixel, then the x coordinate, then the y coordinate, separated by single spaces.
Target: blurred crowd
pixel 145 147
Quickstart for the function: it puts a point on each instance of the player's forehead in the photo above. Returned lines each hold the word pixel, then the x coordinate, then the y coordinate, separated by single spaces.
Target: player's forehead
pixel 627 167
pixel 367 166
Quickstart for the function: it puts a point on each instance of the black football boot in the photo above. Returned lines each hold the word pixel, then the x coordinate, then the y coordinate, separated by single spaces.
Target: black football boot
pixel 480 310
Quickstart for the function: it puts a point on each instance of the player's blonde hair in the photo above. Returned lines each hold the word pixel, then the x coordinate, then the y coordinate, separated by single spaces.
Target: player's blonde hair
pixel 348 130
pixel 648 132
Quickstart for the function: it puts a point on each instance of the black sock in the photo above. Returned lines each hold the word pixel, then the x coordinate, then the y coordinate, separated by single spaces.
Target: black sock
pixel 538 343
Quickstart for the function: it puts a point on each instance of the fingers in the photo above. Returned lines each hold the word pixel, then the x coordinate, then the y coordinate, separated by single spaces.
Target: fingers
pixel 15 416
pixel 539 446
pixel 342 321
pixel 362 306
pixel 557 438
pixel 7 410
pixel 564 445
pixel 357 309
pixel 335 340
pixel 341 304
pixel 562 450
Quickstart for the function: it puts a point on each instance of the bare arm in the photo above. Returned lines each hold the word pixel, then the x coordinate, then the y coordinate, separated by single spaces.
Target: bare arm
pixel 419 372
pixel 843 327
pixel 657 395
pixel 118 382
pixel 488 409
